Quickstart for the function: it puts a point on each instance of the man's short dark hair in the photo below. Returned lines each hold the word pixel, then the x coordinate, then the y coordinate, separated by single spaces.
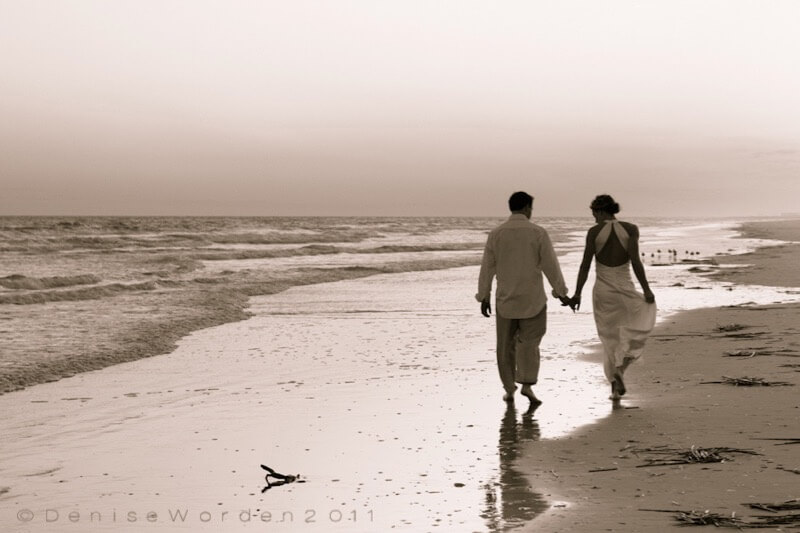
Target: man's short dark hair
pixel 519 201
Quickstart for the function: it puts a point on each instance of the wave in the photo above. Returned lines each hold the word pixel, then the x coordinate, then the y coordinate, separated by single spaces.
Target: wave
pixel 18 281
pixel 279 237
pixel 326 249
pixel 132 243
pixel 86 293
pixel 179 263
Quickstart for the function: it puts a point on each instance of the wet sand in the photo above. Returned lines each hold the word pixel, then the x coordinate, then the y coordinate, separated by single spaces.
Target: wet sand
pixel 382 393
pixel 597 473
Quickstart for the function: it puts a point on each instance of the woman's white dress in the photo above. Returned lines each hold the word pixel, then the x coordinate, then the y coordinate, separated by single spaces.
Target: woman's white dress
pixel 623 318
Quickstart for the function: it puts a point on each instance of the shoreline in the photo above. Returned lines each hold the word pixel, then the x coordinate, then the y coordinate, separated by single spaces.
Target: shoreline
pixel 595 478
pixel 156 334
pixel 152 325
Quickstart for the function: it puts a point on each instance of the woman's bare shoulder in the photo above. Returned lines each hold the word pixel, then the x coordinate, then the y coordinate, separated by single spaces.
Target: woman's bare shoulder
pixel 591 235
pixel 632 229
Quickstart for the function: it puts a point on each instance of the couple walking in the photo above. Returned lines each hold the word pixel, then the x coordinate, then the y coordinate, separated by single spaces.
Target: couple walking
pixel 518 252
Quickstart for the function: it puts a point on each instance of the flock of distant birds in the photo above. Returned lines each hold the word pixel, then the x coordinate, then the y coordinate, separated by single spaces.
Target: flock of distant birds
pixel 673 253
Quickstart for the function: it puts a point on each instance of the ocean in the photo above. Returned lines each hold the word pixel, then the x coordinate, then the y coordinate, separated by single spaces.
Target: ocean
pixel 82 293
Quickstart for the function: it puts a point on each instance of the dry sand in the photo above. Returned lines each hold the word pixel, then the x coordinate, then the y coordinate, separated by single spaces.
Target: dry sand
pixel 596 473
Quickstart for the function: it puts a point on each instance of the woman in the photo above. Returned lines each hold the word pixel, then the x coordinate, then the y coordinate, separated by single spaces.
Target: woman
pixel 623 316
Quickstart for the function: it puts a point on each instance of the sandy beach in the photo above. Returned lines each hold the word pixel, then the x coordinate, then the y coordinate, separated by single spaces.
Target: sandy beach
pixel 382 394
pixel 598 472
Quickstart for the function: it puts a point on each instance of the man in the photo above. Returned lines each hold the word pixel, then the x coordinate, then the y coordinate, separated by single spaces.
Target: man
pixel 518 252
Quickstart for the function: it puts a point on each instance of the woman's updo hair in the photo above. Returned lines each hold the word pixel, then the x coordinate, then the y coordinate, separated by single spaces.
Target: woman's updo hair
pixel 605 203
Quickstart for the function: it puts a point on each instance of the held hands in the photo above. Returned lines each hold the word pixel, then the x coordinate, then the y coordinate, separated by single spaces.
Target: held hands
pixel 573 303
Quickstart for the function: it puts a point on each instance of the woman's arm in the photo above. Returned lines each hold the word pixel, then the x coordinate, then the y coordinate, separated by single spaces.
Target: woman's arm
pixel 583 271
pixel 636 263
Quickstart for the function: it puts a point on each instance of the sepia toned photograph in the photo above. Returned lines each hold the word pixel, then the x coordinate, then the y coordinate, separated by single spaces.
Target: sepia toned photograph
pixel 399 265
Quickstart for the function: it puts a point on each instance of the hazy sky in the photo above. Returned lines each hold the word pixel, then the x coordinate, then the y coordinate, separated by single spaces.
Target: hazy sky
pixel 402 107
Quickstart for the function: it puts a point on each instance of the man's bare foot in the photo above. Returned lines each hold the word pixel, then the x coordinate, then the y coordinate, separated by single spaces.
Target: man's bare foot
pixel 527 392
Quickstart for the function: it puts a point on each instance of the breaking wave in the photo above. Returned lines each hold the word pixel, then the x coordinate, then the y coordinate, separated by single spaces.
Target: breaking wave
pixel 18 281
pixel 86 293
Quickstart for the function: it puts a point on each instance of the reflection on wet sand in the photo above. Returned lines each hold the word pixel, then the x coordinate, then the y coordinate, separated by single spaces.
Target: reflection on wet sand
pixel 509 500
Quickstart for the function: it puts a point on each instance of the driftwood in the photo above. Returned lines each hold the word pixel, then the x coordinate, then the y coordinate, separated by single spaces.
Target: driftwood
pixel 278 479
pixel 786 352
pixel 788 505
pixel 752 335
pixel 730 327
pixel 706 518
pixel 702 518
pixel 744 353
pixel 787 440
pixel 748 382
pixel 673 456
pixel 754 352
pixel 770 521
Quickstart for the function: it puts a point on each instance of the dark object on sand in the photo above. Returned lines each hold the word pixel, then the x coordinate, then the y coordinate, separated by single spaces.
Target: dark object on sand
pixel 753 353
pixel 788 505
pixel 730 327
pixel 742 353
pixel 278 479
pixel 792 519
pixel 702 518
pixel 672 456
pixel 748 382
pixel 787 440
pixel 734 331
pixel 707 518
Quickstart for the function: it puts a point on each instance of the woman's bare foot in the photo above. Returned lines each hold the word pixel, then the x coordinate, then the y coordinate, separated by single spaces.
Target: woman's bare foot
pixel 626 362
pixel 615 395
pixel 620 385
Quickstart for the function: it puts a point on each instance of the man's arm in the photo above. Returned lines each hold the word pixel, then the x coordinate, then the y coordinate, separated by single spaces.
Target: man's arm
pixel 488 270
pixel 551 268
